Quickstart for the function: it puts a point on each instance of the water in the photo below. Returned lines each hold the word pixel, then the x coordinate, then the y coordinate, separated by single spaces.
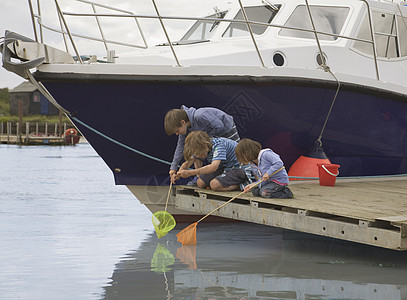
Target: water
pixel 63 223
pixel 67 232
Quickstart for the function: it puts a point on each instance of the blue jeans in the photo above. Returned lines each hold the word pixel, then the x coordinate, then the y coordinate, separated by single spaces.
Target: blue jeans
pixel 272 190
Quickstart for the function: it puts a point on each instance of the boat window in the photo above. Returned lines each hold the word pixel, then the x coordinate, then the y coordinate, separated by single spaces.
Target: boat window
pixel 203 30
pixel 385 28
pixel 402 28
pixel 364 33
pixel 327 19
pixel 261 14
pixel 385 34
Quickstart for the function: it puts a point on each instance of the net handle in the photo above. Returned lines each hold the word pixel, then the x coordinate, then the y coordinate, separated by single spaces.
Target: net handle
pixel 168 196
pixel 241 193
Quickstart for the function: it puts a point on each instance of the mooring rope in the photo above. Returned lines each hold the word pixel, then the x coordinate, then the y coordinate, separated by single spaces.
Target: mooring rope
pixel 326 68
pixel 319 140
pixel 48 95
pixel 119 143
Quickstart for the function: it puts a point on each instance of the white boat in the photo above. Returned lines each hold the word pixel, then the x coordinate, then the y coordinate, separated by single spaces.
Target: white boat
pixel 293 74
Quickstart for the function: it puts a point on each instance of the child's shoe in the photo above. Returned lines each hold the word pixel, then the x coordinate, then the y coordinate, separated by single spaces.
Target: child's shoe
pixel 193 181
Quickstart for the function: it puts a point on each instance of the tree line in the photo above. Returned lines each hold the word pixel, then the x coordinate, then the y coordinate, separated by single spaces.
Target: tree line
pixel 4 102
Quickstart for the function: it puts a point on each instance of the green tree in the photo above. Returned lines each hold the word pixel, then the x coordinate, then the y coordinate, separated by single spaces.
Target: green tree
pixel 4 102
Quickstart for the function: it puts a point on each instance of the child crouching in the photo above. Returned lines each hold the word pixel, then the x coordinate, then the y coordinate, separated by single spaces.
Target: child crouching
pixel 223 173
pixel 268 166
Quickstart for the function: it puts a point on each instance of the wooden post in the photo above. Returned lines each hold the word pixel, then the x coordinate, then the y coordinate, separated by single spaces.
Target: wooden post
pixel 20 121
pixel 60 123
pixel 36 129
pixel 8 131
pixel 18 133
pixel 64 129
pixel 46 129
pixel 27 132
pixel 56 129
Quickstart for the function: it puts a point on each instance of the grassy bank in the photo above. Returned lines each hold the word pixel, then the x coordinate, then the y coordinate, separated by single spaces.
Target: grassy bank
pixel 35 119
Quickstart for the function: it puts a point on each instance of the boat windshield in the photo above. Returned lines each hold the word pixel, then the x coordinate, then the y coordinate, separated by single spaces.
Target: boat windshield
pixel 203 30
pixel 329 19
pixel 262 14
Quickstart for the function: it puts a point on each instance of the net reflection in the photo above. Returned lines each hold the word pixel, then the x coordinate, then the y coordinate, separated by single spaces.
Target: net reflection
pixel 187 256
pixel 162 259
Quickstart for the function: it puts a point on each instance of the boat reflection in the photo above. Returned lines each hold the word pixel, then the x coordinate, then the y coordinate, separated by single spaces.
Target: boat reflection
pixel 248 261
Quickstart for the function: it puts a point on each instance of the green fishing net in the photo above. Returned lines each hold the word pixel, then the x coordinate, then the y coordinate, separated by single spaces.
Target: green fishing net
pixel 163 222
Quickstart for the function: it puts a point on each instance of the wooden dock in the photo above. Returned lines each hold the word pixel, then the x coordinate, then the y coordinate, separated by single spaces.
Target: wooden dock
pixel 32 140
pixel 369 211
pixel 36 134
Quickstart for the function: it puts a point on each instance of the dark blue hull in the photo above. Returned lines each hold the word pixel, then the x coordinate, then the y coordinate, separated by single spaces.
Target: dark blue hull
pixel 366 133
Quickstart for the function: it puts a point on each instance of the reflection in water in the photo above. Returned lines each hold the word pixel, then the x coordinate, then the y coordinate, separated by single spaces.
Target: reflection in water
pixel 187 256
pixel 248 261
pixel 162 259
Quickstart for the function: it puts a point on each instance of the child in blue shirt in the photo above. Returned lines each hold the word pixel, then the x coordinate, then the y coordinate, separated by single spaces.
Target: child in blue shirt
pixel 211 120
pixel 268 166
pixel 223 173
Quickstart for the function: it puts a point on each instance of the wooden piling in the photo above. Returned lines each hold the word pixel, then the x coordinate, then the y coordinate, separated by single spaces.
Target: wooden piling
pixel 20 122
pixel 8 132
pixel 27 132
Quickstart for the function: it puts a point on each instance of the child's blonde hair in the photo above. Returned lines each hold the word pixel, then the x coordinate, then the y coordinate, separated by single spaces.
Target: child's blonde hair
pixel 173 118
pixel 197 143
pixel 247 150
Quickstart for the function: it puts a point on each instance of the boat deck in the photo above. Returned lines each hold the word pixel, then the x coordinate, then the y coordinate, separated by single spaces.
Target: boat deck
pixel 369 211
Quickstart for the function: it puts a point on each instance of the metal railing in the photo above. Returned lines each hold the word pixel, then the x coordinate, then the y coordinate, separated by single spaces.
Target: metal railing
pixel 65 31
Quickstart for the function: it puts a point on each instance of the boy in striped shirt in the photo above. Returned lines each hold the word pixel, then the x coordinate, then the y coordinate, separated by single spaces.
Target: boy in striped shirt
pixel 223 173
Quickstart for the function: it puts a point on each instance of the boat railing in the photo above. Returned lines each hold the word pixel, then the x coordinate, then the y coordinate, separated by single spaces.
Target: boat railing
pixel 119 13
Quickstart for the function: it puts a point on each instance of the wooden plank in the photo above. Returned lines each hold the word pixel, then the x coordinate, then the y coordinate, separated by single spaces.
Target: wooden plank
pixel 399 219
pixel 362 200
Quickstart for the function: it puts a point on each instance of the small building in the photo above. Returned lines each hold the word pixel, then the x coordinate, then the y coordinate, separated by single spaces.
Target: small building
pixel 32 101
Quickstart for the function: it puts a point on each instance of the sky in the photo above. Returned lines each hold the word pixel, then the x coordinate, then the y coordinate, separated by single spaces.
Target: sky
pixel 15 16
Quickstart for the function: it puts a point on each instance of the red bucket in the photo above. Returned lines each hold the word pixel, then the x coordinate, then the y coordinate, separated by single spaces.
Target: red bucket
pixel 327 174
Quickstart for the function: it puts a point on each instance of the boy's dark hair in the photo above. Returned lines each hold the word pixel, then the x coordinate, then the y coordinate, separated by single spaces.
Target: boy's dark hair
pixel 247 150
pixel 173 118
pixel 197 143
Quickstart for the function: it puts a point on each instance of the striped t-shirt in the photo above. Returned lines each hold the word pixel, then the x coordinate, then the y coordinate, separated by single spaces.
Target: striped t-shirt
pixel 223 149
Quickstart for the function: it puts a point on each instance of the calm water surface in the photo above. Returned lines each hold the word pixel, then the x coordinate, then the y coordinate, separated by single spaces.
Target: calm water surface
pixel 67 232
